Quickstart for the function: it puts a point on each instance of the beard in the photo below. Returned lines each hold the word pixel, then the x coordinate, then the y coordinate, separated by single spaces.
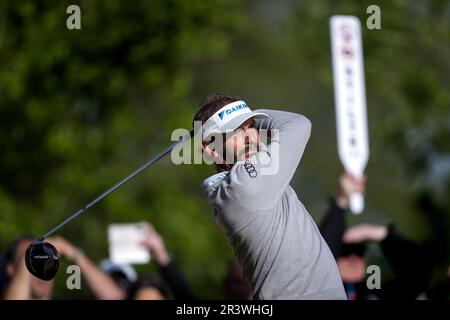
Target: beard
pixel 230 157
pixel 250 149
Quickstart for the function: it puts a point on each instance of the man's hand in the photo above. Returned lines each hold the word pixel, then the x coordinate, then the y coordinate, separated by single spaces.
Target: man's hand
pixel 348 185
pixel 365 232
pixel 155 244
pixel 64 247
pixel 19 287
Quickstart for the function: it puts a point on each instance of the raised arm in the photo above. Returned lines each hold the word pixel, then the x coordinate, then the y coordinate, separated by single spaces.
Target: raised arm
pixel 19 287
pixel 334 223
pixel 101 285
pixel 166 266
pixel 265 176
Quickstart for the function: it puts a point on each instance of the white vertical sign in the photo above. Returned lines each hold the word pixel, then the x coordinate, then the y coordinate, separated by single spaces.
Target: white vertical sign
pixel 350 99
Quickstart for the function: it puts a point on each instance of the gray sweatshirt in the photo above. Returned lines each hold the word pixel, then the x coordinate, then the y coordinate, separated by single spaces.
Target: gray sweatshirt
pixel 275 240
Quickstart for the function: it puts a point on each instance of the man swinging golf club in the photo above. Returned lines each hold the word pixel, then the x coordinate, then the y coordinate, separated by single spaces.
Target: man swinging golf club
pixel 274 238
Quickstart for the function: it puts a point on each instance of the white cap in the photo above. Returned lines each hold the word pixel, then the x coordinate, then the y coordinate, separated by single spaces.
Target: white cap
pixel 229 118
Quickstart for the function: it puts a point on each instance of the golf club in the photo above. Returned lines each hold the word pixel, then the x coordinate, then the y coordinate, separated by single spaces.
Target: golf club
pixel 41 258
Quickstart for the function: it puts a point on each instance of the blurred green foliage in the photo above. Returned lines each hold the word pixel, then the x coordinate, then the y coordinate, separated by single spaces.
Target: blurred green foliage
pixel 81 109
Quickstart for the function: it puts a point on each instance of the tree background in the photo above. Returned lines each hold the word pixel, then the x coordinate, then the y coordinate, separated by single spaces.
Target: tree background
pixel 80 109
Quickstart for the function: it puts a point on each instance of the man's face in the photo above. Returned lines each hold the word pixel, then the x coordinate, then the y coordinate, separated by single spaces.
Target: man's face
pixel 148 293
pixel 41 289
pixel 243 143
pixel 352 268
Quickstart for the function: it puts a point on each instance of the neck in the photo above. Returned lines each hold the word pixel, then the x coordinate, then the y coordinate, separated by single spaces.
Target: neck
pixel 222 167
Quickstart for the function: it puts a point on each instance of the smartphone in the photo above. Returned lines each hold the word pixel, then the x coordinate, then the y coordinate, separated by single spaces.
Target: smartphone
pixel 124 240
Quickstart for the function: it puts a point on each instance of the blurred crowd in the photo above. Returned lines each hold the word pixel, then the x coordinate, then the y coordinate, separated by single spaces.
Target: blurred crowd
pixel 412 264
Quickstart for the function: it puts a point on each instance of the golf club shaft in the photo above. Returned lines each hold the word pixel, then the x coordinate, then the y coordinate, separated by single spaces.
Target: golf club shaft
pixel 119 184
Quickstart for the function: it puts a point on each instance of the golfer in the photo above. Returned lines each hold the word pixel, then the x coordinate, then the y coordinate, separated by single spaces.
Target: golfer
pixel 280 249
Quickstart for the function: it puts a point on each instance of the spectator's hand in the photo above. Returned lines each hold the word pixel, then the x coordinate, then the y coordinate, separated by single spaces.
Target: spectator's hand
pixel 102 286
pixel 20 253
pixel 155 244
pixel 348 185
pixel 19 262
pixel 64 247
pixel 365 232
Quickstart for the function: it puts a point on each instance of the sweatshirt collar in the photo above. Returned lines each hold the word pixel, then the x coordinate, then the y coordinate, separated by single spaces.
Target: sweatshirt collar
pixel 214 179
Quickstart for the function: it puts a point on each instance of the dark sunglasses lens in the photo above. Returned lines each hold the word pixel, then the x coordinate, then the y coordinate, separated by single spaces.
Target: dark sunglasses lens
pixel 42 260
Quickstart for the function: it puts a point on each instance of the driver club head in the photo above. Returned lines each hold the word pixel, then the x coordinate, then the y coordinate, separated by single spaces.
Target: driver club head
pixel 42 260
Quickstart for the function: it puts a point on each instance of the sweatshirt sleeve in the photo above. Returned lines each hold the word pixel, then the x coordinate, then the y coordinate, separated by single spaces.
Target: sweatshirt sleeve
pixel 260 181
